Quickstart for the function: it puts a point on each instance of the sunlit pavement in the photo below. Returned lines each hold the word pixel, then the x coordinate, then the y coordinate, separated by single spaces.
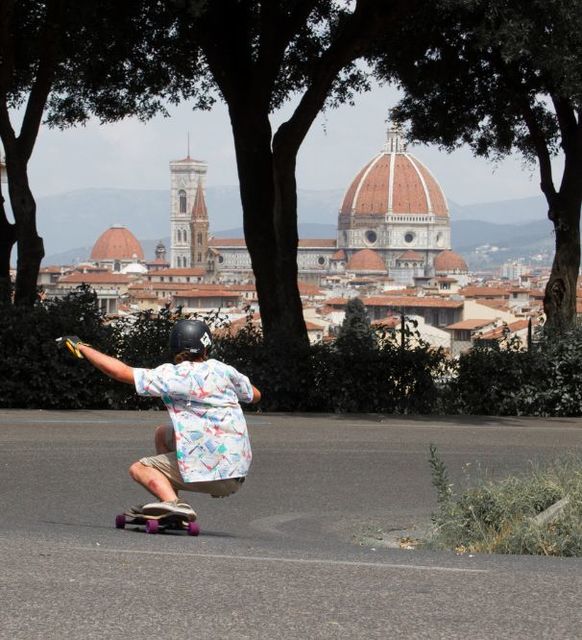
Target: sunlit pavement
pixel 307 549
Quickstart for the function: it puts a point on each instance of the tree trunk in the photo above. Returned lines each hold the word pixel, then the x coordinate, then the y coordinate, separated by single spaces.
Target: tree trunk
pixel 560 293
pixel 270 225
pixel 564 212
pixel 30 245
pixel 7 242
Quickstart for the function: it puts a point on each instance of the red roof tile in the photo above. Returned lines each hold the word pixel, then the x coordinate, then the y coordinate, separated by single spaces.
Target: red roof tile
pixel 447 261
pixel 184 272
pixel 109 277
pixel 366 260
pixel 471 324
pixel 411 255
pixel 484 292
pixel 512 327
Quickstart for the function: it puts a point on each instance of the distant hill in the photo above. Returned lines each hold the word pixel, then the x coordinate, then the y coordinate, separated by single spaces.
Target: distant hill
pixel 72 256
pixel 70 223
pixel 78 218
pixel 502 211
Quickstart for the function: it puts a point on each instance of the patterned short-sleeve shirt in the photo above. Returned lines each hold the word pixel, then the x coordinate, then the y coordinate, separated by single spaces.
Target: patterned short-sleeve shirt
pixel 202 398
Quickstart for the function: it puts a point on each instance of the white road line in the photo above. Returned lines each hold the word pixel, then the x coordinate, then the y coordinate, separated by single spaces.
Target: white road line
pixel 278 559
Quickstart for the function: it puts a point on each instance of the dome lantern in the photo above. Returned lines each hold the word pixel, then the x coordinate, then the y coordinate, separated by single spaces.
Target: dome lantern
pixel 394 141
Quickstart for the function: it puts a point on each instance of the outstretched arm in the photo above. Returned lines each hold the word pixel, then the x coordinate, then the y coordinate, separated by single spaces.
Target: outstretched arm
pixel 110 366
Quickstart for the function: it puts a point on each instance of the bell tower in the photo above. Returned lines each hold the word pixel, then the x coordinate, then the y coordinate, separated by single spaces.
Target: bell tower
pixel 187 177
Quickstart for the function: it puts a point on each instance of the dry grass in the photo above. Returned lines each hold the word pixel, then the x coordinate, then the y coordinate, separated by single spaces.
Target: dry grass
pixel 497 517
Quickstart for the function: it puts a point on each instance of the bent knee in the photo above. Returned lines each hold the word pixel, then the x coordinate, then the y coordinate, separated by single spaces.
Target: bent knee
pixel 135 470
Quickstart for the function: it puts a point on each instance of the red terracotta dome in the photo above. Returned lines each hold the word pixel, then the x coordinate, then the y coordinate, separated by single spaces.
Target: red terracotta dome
pixel 394 182
pixel 448 262
pixel 117 243
pixel 366 261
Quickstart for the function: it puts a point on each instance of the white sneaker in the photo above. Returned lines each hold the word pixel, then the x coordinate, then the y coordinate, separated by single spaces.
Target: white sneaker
pixel 165 508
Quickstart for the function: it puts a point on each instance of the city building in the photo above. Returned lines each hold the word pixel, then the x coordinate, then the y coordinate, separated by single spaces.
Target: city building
pixel 393 224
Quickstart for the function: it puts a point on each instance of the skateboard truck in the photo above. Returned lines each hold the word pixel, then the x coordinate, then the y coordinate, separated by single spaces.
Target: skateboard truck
pixel 156 524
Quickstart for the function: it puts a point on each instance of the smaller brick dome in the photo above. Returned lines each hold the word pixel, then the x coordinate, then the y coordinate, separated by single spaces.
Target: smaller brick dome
pixel 366 260
pixel 117 243
pixel 449 262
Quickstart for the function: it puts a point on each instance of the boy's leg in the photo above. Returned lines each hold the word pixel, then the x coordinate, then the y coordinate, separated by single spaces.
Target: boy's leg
pixel 161 477
pixel 164 443
pixel 154 481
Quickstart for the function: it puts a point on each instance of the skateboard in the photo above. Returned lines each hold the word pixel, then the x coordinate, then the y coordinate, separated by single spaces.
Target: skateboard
pixel 156 524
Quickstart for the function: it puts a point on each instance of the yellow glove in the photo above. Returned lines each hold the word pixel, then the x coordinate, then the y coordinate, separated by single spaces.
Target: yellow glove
pixel 72 343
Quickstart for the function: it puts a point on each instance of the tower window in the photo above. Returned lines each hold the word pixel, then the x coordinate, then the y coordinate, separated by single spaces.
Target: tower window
pixel 182 197
pixel 199 238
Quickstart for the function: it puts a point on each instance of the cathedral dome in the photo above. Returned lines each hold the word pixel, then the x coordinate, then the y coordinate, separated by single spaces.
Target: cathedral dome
pixel 117 243
pixel 396 183
pixel 449 262
pixel 366 261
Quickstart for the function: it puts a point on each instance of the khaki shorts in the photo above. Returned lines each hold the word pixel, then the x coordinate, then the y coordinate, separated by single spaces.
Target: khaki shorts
pixel 168 465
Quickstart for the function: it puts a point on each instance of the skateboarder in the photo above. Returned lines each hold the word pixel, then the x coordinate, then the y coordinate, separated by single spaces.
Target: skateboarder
pixel 206 449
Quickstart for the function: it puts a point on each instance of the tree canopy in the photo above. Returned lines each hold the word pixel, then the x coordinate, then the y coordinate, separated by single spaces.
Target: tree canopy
pixel 61 61
pixel 112 60
pixel 502 75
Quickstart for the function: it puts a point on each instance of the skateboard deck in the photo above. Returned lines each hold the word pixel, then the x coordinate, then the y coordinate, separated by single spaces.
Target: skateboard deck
pixel 155 524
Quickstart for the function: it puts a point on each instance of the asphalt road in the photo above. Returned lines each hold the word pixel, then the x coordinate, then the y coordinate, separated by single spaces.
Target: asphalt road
pixel 295 554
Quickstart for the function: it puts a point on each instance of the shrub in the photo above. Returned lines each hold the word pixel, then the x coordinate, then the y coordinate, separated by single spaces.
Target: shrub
pixel 34 374
pixel 498 517
pixel 545 381
pixel 386 379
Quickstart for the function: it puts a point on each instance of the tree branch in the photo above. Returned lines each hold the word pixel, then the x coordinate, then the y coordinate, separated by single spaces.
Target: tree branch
pixel 542 151
pixel 44 78
pixel 369 20
pixel 276 32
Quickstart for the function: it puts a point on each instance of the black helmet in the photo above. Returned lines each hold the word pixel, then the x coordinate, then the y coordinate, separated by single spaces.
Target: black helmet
pixel 192 336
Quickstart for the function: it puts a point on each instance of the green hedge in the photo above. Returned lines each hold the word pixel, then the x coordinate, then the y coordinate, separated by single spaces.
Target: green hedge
pixel 508 380
pixel 354 374
pixel 36 374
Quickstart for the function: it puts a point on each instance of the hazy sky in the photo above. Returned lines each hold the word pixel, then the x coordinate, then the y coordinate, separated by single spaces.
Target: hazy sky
pixel 134 155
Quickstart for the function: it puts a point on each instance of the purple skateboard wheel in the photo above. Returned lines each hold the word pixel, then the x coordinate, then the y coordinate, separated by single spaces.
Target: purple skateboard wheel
pixel 152 526
pixel 193 529
pixel 120 521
